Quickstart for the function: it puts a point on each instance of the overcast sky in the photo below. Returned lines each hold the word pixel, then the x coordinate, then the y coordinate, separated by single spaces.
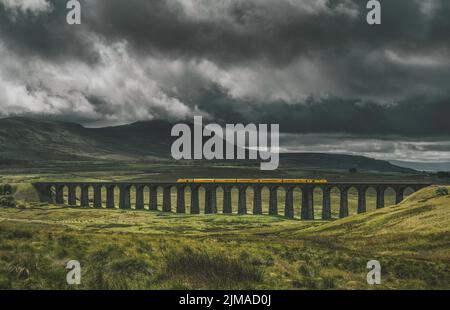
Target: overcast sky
pixel 331 81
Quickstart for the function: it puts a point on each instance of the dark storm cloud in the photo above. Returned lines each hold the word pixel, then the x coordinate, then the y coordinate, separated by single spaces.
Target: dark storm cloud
pixel 314 66
pixel 420 117
pixel 44 34
pixel 273 31
pixel 251 30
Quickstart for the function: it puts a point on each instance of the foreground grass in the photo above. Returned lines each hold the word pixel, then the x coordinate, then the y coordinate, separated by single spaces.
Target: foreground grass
pixel 150 250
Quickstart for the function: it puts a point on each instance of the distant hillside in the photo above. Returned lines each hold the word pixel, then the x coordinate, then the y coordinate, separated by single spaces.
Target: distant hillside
pixel 339 161
pixel 26 139
pixel 423 166
pixel 41 140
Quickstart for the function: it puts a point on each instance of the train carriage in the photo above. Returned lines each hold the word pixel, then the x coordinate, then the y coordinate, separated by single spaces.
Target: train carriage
pixel 314 181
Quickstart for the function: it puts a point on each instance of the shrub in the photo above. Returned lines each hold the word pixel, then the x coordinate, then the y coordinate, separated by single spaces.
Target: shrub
pixel 7 202
pixel 442 191
pixel 5 189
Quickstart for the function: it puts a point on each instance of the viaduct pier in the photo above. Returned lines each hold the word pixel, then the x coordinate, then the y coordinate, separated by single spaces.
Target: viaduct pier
pixel 142 196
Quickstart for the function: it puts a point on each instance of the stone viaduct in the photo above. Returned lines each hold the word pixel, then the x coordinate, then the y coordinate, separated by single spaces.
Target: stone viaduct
pixel 54 192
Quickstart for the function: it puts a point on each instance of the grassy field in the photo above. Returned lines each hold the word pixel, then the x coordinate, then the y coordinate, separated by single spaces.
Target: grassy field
pixel 151 250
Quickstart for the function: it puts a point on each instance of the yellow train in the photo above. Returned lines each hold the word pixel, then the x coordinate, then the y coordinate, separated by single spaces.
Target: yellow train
pixel 251 181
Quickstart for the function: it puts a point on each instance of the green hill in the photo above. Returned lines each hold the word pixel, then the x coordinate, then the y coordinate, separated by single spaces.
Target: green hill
pixel 418 227
pixel 37 140
pixel 43 140
pixel 424 212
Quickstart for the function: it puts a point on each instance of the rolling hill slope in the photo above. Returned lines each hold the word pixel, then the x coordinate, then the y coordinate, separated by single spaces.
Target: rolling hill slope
pixel 42 140
pixel 35 140
pixel 418 227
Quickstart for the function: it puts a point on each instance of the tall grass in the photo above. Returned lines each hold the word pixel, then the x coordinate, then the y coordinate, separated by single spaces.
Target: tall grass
pixel 203 269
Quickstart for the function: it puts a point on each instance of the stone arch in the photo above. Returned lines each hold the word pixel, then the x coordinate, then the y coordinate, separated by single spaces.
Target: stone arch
pixel 265 197
pixel 201 198
pixel 65 191
pixel 90 192
pixel 403 191
pixel 335 201
pixel 281 200
pixel 173 198
pixel 219 199
pixel 371 197
pixel 297 197
pixel 318 199
pixel 234 198
pixel 250 192
pixel 353 196
pixel 103 194
pixel 132 194
pixel 187 199
pixel 390 195
pixel 53 193
pixel 408 190
pixel 159 197
pixel 116 196
pixel 78 194
pixel 146 193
